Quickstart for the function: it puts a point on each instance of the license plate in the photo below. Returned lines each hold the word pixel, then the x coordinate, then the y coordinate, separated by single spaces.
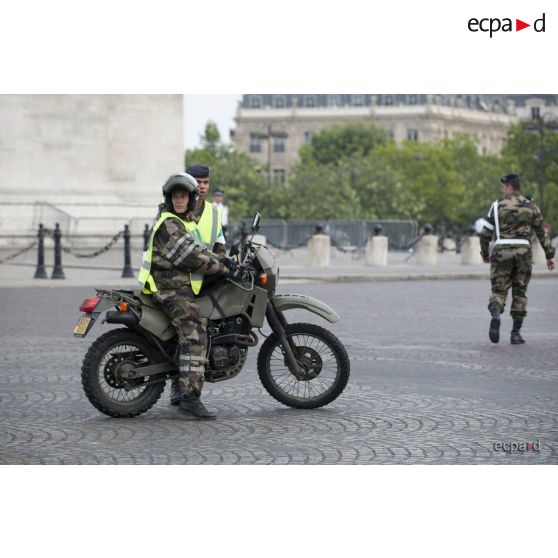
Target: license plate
pixel 82 325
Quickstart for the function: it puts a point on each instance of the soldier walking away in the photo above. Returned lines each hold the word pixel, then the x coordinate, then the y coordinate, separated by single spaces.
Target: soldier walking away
pixel 173 269
pixel 511 221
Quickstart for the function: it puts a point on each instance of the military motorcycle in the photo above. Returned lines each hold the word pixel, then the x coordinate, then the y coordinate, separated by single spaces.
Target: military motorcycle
pixel 301 365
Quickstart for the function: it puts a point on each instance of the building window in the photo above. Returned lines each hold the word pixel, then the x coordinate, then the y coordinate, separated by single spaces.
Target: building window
pixel 535 113
pixel 255 143
pixel 279 176
pixel 412 99
pixel 255 101
pixel 278 101
pixel 307 137
pixel 335 100
pixel 358 100
pixel 390 134
pixel 310 101
pixel 412 134
pixel 278 144
pixel 388 100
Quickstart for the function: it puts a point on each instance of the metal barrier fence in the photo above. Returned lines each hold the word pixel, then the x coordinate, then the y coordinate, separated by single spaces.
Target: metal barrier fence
pixel 349 236
pixel 344 233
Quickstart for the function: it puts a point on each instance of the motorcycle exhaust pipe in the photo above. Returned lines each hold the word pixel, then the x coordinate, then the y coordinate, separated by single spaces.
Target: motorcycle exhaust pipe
pixel 250 340
pixel 128 319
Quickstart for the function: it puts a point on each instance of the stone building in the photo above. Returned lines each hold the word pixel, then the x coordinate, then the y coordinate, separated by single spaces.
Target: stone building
pixel 272 128
pixel 89 162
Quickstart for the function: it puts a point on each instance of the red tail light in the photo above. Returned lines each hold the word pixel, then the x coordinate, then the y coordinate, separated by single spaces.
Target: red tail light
pixel 88 305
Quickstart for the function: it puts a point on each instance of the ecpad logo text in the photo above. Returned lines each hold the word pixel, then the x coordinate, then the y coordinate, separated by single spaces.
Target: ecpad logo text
pixel 492 25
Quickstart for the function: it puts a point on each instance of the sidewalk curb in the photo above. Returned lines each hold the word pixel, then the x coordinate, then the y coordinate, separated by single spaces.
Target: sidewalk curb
pixel 119 282
pixel 404 277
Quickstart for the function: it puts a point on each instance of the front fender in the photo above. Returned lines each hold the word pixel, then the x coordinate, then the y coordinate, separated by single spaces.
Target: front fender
pixel 284 302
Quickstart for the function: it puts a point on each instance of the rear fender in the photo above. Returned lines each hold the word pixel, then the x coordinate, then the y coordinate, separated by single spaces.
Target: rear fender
pixel 102 306
pixel 284 302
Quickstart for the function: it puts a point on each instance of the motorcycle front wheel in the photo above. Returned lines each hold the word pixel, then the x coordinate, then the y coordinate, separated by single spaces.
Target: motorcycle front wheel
pixel 323 362
pixel 103 374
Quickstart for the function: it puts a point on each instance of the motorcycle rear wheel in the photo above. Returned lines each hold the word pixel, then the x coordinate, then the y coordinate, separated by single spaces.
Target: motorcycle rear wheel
pixel 324 362
pixel 102 368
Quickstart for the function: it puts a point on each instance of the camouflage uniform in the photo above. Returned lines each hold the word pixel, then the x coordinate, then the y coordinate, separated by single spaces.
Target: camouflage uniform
pixel 518 218
pixel 175 256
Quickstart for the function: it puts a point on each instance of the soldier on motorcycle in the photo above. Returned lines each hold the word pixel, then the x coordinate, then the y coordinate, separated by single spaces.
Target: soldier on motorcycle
pixel 173 268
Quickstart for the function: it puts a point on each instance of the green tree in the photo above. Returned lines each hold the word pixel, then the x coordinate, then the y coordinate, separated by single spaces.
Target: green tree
pixel 318 192
pixel 479 175
pixel 237 174
pixel 533 153
pixel 428 173
pixel 211 139
pixel 332 145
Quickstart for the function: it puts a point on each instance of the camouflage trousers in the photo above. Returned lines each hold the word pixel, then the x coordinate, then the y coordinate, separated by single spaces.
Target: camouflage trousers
pixel 184 315
pixel 510 268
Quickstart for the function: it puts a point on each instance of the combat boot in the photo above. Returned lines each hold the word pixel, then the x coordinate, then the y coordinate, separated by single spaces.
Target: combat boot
pixel 516 338
pixel 175 395
pixel 494 331
pixel 192 406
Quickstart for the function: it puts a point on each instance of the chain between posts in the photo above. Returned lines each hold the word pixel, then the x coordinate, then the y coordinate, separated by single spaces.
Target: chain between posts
pixel 19 252
pixel 102 250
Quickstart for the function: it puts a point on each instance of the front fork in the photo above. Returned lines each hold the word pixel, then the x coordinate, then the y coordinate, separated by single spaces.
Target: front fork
pixel 278 324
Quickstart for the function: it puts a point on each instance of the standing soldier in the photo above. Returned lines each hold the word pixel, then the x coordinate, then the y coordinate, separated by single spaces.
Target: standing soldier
pixel 218 196
pixel 208 216
pixel 512 221
pixel 174 265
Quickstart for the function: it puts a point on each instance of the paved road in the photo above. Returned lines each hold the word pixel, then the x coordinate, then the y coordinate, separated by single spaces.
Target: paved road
pixel 426 387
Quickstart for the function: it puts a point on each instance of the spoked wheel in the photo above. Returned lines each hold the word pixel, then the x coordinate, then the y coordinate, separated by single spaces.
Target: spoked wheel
pixel 323 362
pixel 106 373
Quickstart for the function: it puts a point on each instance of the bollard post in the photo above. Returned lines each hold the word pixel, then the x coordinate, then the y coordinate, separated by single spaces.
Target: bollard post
pixel 127 271
pixel 146 235
pixel 57 271
pixel 427 247
pixel 377 248
pixel 40 272
pixel 319 247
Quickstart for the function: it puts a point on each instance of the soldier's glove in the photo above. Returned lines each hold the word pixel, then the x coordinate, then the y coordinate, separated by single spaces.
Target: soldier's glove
pixel 234 274
pixel 228 262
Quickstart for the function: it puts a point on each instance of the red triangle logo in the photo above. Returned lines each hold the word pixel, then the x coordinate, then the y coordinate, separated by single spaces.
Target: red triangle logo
pixel 519 25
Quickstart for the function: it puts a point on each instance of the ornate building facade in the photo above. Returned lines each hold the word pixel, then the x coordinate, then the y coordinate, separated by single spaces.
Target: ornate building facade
pixel 273 128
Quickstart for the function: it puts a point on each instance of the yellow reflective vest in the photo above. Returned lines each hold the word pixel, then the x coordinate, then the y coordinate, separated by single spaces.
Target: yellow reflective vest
pixel 209 224
pixel 146 281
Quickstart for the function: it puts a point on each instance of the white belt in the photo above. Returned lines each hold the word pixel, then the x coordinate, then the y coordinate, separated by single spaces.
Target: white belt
pixel 512 241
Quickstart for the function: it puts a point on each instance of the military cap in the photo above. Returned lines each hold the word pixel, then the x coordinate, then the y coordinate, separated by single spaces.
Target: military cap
pixel 218 193
pixel 509 178
pixel 198 171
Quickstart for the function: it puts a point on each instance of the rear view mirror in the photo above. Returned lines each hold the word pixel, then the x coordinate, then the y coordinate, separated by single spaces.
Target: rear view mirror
pixel 256 223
